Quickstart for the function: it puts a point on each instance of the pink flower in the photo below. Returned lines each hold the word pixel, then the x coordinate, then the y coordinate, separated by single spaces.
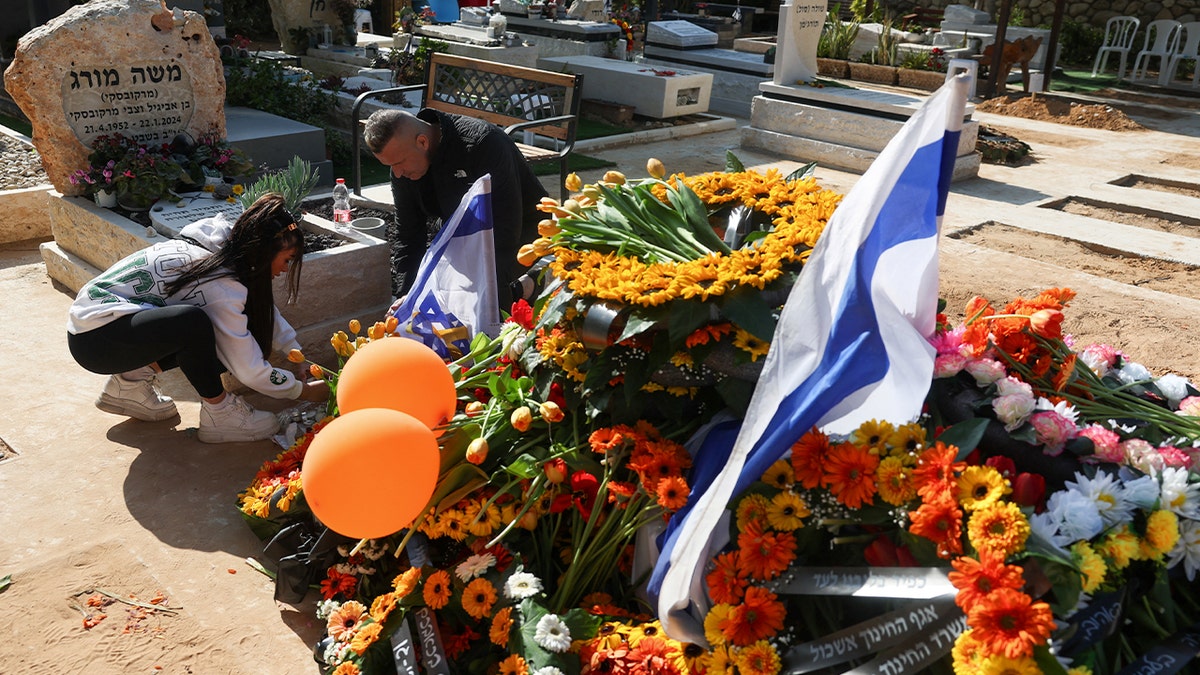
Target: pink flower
pixel 986 371
pixel 1014 403
pixel 1053 431
pixel 1106 442
pixel 1100 358
pixel 948 365
pixel 1174 457
pixel 1142 456
pixel 1190 406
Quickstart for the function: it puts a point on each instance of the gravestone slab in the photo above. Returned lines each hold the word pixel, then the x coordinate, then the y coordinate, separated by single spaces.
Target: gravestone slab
pixel 800 25
pixel 587 10
pixel 679 35
pixel 965 14
pixel 290 15
pixel 115 66
pixel 653 92
pixel 168 217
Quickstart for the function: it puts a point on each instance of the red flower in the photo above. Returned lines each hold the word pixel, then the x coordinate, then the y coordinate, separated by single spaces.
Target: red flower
pixel 881 553
pixel 584 486
pixel 1003 465
pixel 336 583
pixel 1029 489
pixel 556 396
pixel 522 314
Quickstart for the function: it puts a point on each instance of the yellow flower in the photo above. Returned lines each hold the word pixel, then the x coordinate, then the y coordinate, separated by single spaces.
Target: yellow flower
pixel 655 168
pixel 548 228
pixel 238 189
pixel 907 440
pixel 210 188
pixel 750 344
pixel 787 512
pixel 1091 566
pixel 355 326
pixel 893 481
pixel 1119 547
pixel 1000 527
pixel 998 664
pixel 1162 533
pixel 979 487
pixel 873 434
pixel 614 177
pixel 780 475
pixel 295 356
pixel 712 623
pixel 759 658
pixel 316 371
pixel 967 653
pixel 573 182
pixel 550 412
pixel 752 508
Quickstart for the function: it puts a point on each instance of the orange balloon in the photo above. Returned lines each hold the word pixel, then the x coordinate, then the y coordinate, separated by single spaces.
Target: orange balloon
pixel 400 374
pixel 370 473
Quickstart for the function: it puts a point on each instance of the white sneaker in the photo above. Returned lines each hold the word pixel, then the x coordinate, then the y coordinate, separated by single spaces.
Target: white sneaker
pixel 134 394
pixel 234 421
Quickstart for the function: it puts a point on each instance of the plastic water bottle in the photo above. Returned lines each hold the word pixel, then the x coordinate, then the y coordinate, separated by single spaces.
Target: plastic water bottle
pixel 341 205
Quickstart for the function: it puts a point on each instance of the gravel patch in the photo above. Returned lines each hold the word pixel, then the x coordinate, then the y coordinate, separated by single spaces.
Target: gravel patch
pixel 20 164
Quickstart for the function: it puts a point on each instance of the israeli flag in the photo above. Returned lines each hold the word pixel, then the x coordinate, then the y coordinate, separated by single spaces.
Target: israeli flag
pixel 850 345
pixel 454 296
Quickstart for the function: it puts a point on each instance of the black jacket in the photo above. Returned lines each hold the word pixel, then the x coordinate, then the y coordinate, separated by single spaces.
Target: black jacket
pixel 469 148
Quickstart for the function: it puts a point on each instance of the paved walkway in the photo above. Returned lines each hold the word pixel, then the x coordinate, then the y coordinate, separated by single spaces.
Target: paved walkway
pixel 91 500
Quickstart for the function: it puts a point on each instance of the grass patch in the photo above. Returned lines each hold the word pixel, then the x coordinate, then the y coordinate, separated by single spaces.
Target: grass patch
pixel 18 125
pixel 591 128
pixel 1081 81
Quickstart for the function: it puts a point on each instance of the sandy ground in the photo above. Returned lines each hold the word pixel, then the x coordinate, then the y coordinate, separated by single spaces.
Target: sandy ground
pixel 92 504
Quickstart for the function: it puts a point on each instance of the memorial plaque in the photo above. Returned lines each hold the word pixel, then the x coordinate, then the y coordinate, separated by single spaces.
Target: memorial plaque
pixel 169 218
pixel 148 101
pixel 800 25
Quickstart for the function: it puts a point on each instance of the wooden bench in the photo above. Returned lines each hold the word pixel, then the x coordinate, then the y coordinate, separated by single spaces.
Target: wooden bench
pixel 539 103
pixel 923 17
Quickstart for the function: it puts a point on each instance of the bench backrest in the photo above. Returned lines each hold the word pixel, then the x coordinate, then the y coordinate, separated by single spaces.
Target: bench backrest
pixel 500 93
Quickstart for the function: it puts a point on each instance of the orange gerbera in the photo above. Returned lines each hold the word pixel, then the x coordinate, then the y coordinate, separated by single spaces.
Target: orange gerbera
pixel 850 474
pixel 382 606
pixel 893 480
pixel 603 440
pixel 514 665
pixel 1000 527
pixel 937 472
pixel 672 493
pixel 365 637
pixel 1010 623
pixel 336 583
pixel 478 598
pixel 727 580
pixel 765 555
pixel 501 627
pixel 344 622
pixel 939 521
pixel 752 508
pixel 975 579
pixel 758 617
pixel 759 658
pixel 437 589
pixel 347 668
pixel 405 582
pixel 808 458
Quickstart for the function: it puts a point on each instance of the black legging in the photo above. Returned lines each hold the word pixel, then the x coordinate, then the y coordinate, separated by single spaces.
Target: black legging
pixel 179 335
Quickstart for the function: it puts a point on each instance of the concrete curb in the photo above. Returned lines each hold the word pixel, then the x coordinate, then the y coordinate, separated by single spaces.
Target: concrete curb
pixel 653 135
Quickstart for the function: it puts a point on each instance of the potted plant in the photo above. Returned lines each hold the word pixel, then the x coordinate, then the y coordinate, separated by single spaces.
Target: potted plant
pixel 145 176
pixel 923 70
pixel 209 161
pixel 98 182
pixel 833 47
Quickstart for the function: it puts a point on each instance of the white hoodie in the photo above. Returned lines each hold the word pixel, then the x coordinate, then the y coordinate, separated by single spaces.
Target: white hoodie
pixel 137 282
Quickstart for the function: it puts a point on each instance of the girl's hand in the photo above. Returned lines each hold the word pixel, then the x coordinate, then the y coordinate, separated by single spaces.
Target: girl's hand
pixel 316 391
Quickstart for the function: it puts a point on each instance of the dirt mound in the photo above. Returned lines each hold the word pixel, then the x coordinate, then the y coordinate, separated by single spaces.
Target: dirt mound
pixel 1060 111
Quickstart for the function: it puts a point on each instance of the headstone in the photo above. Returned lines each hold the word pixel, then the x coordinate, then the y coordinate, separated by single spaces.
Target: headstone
pixel 958 14
pixel 800 25
pixel 213 12
pixel 587 10
pixel 115 66
pixel 474 16
pixel 679 35
pixel 514 7
pixel 289 16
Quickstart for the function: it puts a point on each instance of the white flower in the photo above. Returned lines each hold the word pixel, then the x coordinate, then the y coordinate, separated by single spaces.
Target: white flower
pixel 1010 386
pixel 1142 492
pixel 1075 516
pixel 552 634
pixel 474 566
pixel 1107 494
pixel 548 670
pixel 1013 409
pixel 522 585
pixel 512 339
pixel 1042 526
pixel 1174 387
pixel 1187 549
pixel 1063 408
pixel 327 607
pixel 1178 496
pixel 1131 372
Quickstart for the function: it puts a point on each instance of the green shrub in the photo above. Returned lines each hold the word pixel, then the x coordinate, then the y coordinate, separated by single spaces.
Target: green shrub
pixel 251 18
pixel 837 37
pixel 294 183
pixel 1079 43
pixel 264 85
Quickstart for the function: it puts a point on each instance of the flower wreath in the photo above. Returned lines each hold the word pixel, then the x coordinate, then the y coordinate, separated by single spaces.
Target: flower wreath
pixel 626 32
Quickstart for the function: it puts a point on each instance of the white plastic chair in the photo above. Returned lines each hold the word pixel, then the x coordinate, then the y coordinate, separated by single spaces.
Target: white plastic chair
pixel 1118 37
pixel 1162 40
pixel 1189 50
pixel 362 21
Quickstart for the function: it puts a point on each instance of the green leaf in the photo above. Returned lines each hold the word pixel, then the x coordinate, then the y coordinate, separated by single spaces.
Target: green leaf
pixel 803 172
pixel 965 435
pixel 746 308
pixel 732 163
pixel 636 324
pixel 1046 661
pixel 5 582
pixel 454 445
pixel 685 317
pixel 458 483
pixel 525 466
pixel 582 624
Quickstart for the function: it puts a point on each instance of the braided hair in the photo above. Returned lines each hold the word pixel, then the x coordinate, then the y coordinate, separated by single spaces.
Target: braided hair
pixel 260 233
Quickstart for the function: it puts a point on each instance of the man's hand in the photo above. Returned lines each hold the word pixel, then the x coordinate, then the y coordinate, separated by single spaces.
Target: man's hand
pixel 316 391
